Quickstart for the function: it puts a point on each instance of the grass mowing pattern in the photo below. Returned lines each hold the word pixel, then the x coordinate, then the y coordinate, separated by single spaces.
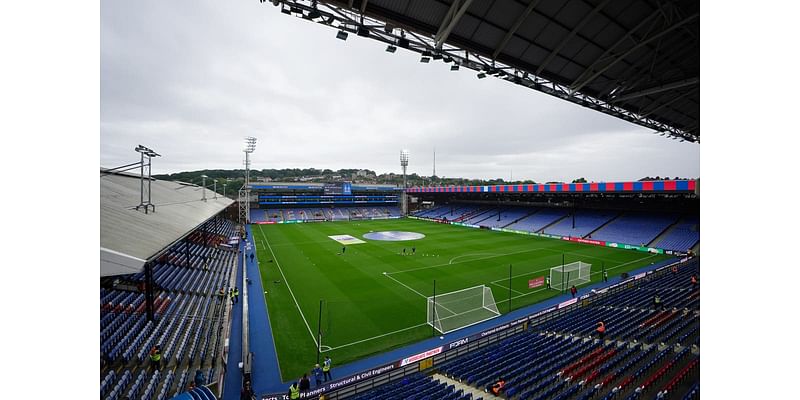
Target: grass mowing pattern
pixel 366 312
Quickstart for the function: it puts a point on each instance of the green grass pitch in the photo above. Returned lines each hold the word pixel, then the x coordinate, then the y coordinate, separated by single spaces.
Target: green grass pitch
pixel 366 311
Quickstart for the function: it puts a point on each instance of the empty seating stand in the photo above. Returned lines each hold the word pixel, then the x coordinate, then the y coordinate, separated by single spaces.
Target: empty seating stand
pixel 188 322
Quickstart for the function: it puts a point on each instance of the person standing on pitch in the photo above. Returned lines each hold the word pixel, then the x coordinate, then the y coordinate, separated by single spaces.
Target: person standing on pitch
pixel 326 368
pixel 605 276
pixel 574 291
pixel 343 249
pixel 414 250
pixel 547 281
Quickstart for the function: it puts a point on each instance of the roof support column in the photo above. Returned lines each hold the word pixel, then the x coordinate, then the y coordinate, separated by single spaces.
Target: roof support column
pixel 148 290
pixel 188 253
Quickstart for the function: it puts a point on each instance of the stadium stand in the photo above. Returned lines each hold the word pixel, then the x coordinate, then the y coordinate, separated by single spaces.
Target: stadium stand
pixel 684 235
pixel 160 273
pixel 322 214
pixel 539 220
pixel 189 319
pixel 506 217
pixel 417 386
pixel 586 221
pixel 647 353
pixel 634 228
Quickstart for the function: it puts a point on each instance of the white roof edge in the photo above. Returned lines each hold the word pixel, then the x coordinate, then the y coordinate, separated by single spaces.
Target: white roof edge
pixel 115 263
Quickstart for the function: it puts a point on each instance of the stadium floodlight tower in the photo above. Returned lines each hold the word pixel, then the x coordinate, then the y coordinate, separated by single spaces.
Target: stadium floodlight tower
pixel 404 164
pixel 204 186
pixel 144 190
pixel 244 192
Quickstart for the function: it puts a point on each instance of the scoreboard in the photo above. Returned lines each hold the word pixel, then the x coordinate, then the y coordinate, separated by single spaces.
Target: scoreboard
pixel 339 189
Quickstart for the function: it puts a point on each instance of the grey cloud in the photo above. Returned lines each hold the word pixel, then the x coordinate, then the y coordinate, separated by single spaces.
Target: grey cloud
pixel 191 79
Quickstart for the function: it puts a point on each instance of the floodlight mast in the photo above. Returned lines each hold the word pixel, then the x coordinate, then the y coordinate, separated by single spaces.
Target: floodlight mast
pixel 244 192
pixel 204 187
pixel 404 164
pixel 145 166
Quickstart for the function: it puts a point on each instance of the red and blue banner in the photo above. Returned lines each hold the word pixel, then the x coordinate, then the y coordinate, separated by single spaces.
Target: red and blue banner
pixel 672 186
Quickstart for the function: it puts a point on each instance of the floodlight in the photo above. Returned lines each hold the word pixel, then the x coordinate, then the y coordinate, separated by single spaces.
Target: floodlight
pixel 425 59
pixel 404 158
pixel 286 11
pixel 402 42
pixel 437 56
pixel 314 14
pixel 481 75
pixel 341 35
pixel 447 59
pixel 391 49
pixel 454 67
pixel 363 31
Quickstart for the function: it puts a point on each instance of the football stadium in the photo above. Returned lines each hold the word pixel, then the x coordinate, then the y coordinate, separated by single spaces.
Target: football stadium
pixel 352 290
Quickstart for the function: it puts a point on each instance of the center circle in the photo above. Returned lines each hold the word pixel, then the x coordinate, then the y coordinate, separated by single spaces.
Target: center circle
pixel 393 236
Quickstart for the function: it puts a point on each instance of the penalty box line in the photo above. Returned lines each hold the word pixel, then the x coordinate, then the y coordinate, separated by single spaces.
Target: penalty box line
pixel 415 291
pixel 547 269
pixel 290 289
pixel 371 338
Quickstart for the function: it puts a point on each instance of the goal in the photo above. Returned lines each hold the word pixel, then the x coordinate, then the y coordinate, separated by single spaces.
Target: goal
pixel 575 273
pixel 455 310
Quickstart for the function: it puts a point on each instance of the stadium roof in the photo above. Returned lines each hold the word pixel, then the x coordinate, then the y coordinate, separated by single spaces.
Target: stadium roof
pixel 129 238
pixel 638 60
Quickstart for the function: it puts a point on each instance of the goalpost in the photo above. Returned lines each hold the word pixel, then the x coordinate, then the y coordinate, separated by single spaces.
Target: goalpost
pixel 455 310
pixel 575 273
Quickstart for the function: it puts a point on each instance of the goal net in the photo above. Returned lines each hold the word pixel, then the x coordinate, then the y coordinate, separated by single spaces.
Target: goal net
pixel 455 310
pixel 575 273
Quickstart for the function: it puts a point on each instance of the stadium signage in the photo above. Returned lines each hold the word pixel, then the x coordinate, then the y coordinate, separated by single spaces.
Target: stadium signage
pixel 534 283
pixel 420 356
pixel 495 330
pixel 567 303
pixel 457 343
pixel 335 385
pixel 585 241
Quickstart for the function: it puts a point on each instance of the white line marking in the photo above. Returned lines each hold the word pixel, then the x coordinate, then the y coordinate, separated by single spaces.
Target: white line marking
pixel 406 286
pixel 425 297
pixel 459 262
pixel 505 287
pixel 290 289
pixel 468 255
pixel 374 337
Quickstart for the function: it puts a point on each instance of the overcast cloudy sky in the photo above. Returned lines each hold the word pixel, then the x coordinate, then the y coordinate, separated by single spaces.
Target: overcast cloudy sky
pixel 190 79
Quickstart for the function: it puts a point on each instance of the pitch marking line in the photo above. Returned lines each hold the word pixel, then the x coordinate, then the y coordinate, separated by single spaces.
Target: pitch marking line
pixel 372 338
pixel 290 289
pixel 505 287
pixel 459 262
pixel 413 290
pixel 593 273
pixel 470 255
